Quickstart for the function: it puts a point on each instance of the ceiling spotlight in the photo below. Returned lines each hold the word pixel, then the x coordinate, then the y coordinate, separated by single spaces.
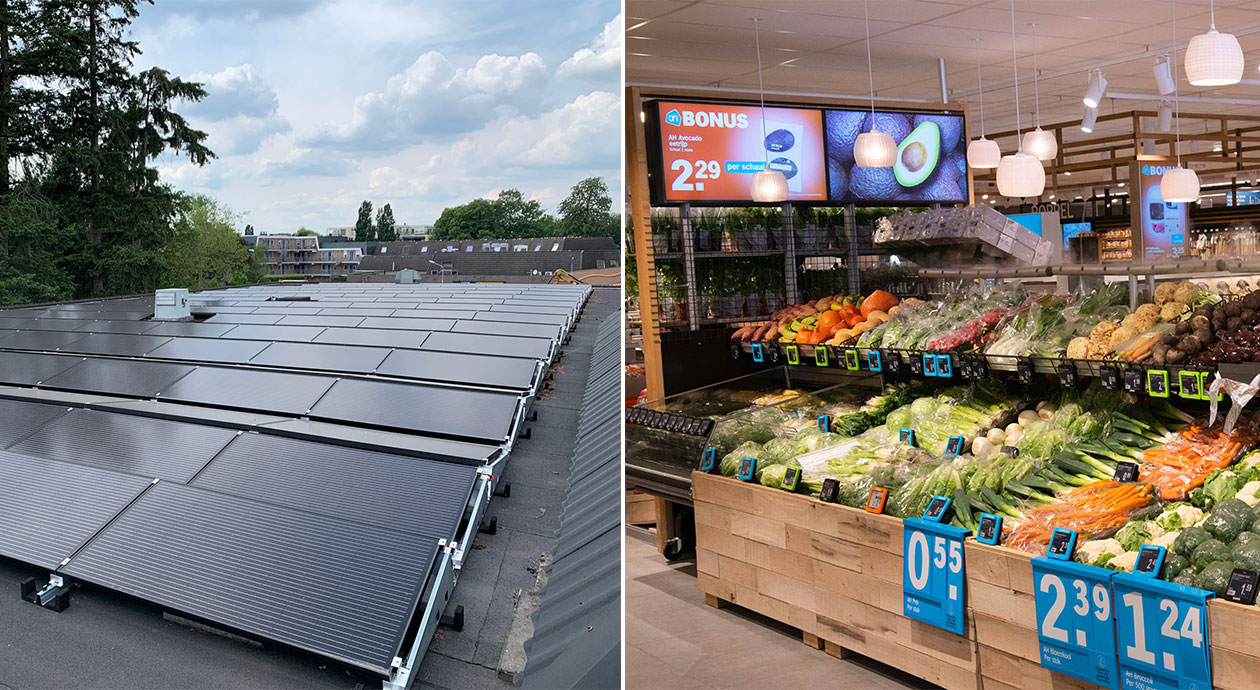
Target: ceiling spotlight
pixel 984 196
pixel 1214 58
pixel 1164 122
pixel 1051 196
pixel 1163 76
pixel 1089 120
pixel 1216 148
pixel 1120 185
pixel 1067 172
pixel 1097 87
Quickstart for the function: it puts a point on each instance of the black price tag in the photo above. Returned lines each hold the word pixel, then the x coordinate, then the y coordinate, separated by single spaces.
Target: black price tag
pixel 980 367
pixel 830 491
pixel 708 460
pixel 1126 471
pixel 820 355
pixel 939 510
pixel 758 353
pixel 793 354
pixel 736 349
pixel 774 355
pixel 929 365
pixel 791 477
pixel 1242 586
pixel 1188 384
pixel 944 366
pixel 964 368
pixel 1062 544
pixel 1109 377
pixel 954 447
pixel 1025 370
pixel 1150 560
pixel 874 361
pixel 906 436
pixel 990 530
pixel 1009 451
pixel 875 499
pixel 1133 381
pixel 1067 375
pixel 916 365
pixel 1157 383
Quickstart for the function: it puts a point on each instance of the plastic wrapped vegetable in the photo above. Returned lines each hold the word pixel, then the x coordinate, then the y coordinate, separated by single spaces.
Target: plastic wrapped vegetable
pixel 1210 552
pixel 1174 564
pixel 731 461
pixel 1215 577
pixel 1246 554
pixel 1224 526
pixel 772 475
pixel 1187 577
pixel 731 433
pixel 1190 539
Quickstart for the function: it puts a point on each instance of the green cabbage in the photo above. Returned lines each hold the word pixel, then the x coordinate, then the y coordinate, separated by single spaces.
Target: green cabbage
pixel 1215 577
pixel 1134 534
pixel 1174 564
pixel 772 475
pixel 1189 540
pixel 1210 552
pixel 732 433
pixel 1224 525
pixel 1247 554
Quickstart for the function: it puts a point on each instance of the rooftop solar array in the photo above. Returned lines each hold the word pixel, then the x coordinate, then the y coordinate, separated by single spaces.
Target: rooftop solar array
pixel 298 463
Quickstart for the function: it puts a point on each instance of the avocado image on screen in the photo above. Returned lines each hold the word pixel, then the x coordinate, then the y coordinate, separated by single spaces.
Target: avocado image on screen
pixel 780 140
pixel 896 124
pixel 843 127
pixel 839 181
pixel 872 183
pixel 951 129
pixel 783 165
pixel 918 154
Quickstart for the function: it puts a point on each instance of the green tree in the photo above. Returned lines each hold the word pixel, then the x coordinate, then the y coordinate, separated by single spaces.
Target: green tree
pixel 587 211
pixel 306 232
pixel 510 216
pixel 205 249
pixel 249 229
pixel 31 244
pixel 363 230
pixel 385 231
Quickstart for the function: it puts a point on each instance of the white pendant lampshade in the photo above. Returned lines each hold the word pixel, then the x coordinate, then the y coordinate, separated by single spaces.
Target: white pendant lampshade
pixel 1179 185
pixel 1041 144
pixel 1021 175
pixel 1214 59
pixel 874 149
pixel 983 154
pixel 769 186
pixel 1089 119
pixel 1097 87
pixel 1163 76
pixel 1164 122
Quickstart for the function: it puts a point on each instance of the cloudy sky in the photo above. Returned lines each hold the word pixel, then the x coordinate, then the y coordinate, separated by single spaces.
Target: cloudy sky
pixel 316 105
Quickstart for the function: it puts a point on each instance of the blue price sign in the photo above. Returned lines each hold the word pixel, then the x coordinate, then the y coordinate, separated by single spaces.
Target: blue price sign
pixel 933 578
pixel 1162 634
pixel 758 354
pixel 1075 628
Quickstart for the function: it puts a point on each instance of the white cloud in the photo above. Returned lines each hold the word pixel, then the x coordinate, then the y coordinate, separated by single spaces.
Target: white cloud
pixel 239 112
pixel 580 134
pixel 303 162
pixel 432 98
pixel 390 180
pixel 601 60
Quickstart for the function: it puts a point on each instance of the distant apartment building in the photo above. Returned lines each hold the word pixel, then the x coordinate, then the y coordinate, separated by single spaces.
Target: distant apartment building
pixel 302 255
pixel 405 232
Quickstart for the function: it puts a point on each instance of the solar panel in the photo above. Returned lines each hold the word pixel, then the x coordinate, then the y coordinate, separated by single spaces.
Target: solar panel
pixel 319 357
pixel 509 307
pixel 286 309
pixel 411 324
pixel 367 336
pixel 249 389
pixel 226 318
pixel 40 340
pixel 29 369
pixel 21 418
pixel 239 309
pixel 49 508
pixel 529 330
pixel 198 329
pixel 207 350
pixel 117 326
pixel 506 372
pixel 445 411
pixel 117 344
pixel 127 443
pixel 435 311
pixel 338 588
pixel 395 491
pixel 347 311
pixel 508 316
pixel 488 344
pixel 58 324
pixel 289 333
pixel 320 320
pixel 120 376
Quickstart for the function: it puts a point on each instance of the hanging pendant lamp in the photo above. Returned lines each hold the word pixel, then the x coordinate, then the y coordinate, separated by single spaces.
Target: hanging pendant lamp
pixel 1179 185
pixel 982 153
pixel 1038 142
pixel 873 149
pixel 767 186
pixel 1214 58
pixel 1019 174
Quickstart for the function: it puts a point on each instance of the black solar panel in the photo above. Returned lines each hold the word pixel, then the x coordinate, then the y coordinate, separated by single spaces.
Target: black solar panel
pixel 396 491
pixel 117 326
pixel 49 508
pixel 512 317
pixel 488 344
pixel 416 324
pixel 289 333
pixel 229 318
pixel 367 336
pixel 347 311
pixel 472 414
pixel 285 309
pixel 509 307
pixel 39 340
pixel 60 324
pixel 116 344
pixel 320 320
pixel 198 329
pixel 208 350
pixel 342 589
pixel 19 418
pixel 249 389
pixel 127 443
pixel 129 377
pixel 28 369
pixel 528 330
pixel 506 372
pixel 319 357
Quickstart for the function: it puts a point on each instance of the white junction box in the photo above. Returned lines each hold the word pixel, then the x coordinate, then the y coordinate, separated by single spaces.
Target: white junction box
pixel 172 305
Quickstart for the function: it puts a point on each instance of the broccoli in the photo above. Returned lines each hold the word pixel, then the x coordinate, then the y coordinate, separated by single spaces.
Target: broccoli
pixel 1189 540
pixel 1210 552
pixel 1215 577
pixel 1247 554
pixel 1174 564
pixel 1224 525
pixel 1187 577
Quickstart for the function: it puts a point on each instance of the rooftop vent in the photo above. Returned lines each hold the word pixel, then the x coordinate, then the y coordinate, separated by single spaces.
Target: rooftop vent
pixel 172 305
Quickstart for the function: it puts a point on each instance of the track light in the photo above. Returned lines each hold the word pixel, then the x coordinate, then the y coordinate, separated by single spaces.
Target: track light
pixel 1163 76
pixel 1088 121
pixel 1164 122
pixel 1097 87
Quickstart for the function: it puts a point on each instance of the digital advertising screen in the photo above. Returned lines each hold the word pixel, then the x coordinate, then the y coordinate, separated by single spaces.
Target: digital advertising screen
pixel 709 152
pixel 1071 230
pixel 1164 225
pixel 931 164
pixel 1032 221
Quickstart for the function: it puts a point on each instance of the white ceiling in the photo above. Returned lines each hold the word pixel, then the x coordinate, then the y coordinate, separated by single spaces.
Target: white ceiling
pixel 818 47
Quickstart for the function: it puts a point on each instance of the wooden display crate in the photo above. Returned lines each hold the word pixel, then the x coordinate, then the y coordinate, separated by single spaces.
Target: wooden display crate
pixel 1233 630
pixel 830 570
pixel 1000 594
pixel 640 509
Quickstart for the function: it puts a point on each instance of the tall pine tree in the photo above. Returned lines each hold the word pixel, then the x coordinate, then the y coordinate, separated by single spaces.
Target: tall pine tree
pixel 385 231
pixel 363 229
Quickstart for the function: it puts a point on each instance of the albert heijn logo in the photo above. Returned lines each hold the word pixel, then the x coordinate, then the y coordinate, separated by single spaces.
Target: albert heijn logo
pixel 673 118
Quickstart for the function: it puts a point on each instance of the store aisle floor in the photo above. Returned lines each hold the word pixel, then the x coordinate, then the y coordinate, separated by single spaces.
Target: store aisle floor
pixel 674 640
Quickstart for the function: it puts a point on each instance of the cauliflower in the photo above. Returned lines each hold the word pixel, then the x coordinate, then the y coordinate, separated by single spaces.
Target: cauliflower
pixel 1154 530
pixel 1173 310
pixel 1124 562
pixel 1139 321
pixel 1148 310
pixel 1247 494
pixel 1121 334
pixel 1164 293
pixel 1166 540
pixel 1182 516
pixel 1091 551
pixel 1187 293
pixel 1079 348
pixel 1101 335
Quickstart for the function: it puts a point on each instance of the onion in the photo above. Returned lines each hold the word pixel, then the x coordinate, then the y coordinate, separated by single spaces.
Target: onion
pixel 1028 417
pixel 1013 438
pixel 1014 428
pixel 996 436
pixel 981 448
